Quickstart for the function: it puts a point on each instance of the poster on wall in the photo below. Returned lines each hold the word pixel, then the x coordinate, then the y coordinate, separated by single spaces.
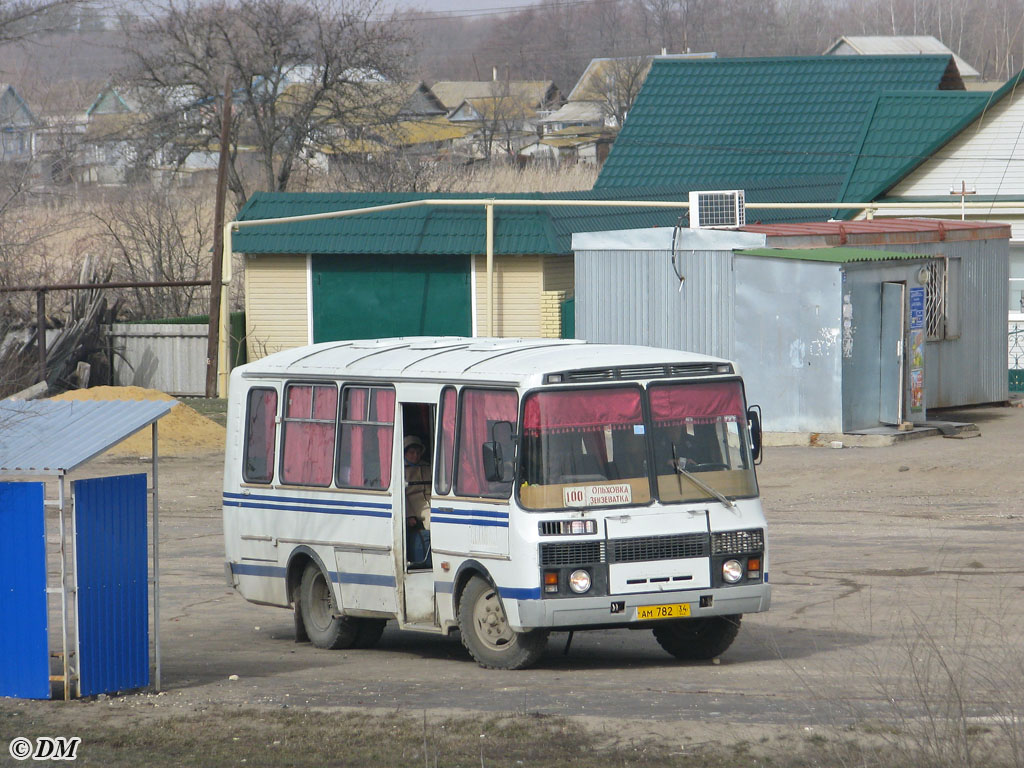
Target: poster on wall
pixel 917 341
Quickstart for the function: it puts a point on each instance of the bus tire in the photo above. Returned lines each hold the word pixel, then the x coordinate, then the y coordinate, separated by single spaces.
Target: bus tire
pixel 316 599
pixel 487 635
pixel 694 639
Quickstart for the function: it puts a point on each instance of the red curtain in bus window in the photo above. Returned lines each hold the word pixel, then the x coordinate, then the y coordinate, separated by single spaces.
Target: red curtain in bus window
pixel 446 451
pixel 309 444
pixel 581 410
pixel 350 455
pixel 261 433
pixel 481 409
pixel 676 404
pixel 385 412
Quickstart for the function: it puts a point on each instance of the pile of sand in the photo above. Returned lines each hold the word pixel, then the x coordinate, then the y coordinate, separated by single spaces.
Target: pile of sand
pixel 182 432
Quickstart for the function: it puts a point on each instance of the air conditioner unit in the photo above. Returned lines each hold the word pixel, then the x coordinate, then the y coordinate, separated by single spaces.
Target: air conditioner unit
pixel 717 209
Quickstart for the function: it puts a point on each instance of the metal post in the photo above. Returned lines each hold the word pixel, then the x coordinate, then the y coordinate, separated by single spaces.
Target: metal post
pixel 215 345
pixel 41 332
pixel 490 269
pixel 156 560
pixel 64 587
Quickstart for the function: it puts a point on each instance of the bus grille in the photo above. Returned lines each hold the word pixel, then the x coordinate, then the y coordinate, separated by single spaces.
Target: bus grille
pixel 737 542
pixel 571 553
pixel 659 547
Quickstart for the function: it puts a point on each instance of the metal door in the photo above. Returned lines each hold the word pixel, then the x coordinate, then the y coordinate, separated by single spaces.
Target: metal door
pixel 890 406
pixel 113 583
pixel 24 643
pixel 385 295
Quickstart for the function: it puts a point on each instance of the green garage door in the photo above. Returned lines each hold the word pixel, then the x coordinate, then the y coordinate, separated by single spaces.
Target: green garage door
pixel 377 296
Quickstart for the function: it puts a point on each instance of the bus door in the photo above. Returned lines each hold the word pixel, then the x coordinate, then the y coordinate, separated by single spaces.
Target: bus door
pixel 363 533
pixel 412 510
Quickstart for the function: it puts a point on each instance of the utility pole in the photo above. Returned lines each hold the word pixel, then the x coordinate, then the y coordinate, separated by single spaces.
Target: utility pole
pixel 217 268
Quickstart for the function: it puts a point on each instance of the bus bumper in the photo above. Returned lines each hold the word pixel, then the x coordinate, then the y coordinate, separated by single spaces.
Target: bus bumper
pixel 621 610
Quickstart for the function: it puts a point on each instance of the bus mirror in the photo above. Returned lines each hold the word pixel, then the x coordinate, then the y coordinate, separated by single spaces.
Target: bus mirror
pixel 494 464
pixel 754 424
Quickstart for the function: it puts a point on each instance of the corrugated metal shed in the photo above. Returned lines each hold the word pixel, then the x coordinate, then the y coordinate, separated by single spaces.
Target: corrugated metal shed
pixel 43 437
pixel 753 119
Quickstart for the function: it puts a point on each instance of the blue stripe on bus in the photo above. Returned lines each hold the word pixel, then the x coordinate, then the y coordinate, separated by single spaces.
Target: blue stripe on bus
pixel 456 521
pixel 303 500
pixel 444 587
pixel 519 593
pixel 469 512
pixel 366 579
pixel 277 572
pixel 296 506
pixel 249 569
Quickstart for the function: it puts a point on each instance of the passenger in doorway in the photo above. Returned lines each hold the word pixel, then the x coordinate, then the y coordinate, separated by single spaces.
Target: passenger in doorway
pixel 417 484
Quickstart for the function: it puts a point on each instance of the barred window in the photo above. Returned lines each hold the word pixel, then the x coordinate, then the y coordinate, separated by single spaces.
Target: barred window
pixel 941 299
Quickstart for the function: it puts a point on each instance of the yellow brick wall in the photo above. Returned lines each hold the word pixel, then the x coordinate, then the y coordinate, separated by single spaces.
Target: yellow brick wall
pixel 276 303
pixel 551 313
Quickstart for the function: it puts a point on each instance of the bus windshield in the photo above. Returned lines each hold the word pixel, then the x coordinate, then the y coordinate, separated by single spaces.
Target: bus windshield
pixel 699 430
pixel 593 447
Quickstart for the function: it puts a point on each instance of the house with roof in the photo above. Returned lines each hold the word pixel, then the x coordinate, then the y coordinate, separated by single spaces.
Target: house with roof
pixel 416 270
pixel 788 121
pixel 906 45
pixel 18 126
pixel 499 117
pixel 606 91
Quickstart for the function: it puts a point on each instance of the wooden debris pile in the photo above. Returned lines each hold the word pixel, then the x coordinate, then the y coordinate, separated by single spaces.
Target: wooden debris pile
pixel 76 348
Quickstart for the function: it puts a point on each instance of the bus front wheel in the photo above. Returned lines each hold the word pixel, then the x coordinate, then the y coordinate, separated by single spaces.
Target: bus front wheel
pixel 487 635
pixel 693 639
pixel 317 608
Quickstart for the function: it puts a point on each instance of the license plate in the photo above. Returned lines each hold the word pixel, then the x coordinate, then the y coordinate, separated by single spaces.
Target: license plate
pixel 672 611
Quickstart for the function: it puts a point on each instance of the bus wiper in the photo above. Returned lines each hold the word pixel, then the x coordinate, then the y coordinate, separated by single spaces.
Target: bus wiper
pixel 677 464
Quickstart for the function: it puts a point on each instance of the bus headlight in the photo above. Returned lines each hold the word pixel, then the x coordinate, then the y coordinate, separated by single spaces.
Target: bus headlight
pixel 579 581
pixel 732 571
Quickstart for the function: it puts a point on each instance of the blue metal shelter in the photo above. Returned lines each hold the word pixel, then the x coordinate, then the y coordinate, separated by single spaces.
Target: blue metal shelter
pixel 104 579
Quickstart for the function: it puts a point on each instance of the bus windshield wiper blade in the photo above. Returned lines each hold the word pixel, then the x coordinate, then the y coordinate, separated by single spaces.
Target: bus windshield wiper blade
pixel 704 486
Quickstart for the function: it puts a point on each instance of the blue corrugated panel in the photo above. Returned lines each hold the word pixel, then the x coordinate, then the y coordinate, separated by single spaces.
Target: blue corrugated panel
pixel 113 595
pixel 24 647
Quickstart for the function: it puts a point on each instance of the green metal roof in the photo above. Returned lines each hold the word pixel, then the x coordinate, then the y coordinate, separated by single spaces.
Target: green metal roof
pixel 438 230
pixel 903 129
pixel 839 255
pixel 744 120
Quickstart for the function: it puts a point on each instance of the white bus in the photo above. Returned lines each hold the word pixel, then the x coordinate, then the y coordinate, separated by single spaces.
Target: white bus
pixel 506 488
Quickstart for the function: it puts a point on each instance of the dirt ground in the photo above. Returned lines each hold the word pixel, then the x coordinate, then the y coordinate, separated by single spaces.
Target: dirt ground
pixel 898 598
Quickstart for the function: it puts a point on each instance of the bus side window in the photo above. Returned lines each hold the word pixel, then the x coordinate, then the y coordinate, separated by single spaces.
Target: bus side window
pixel 365 438
pixel 307 438
pixel 260 436
pixel 479 410
pixel 445 457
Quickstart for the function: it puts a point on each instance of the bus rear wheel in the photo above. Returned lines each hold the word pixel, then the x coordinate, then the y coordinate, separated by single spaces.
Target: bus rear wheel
pixel 316 599
pixel 694 639
pixel 486 632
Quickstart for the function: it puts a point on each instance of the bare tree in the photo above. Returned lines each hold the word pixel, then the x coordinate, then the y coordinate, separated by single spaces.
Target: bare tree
pixel 26 19
pixel 154 235
pixel 307 79
pixel 616 84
